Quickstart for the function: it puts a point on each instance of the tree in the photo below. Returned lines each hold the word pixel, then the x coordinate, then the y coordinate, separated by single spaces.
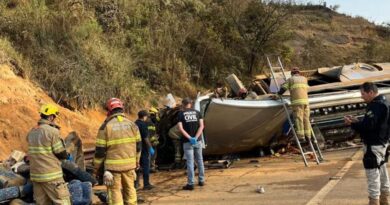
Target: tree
pixel 334 7
pixel 260 26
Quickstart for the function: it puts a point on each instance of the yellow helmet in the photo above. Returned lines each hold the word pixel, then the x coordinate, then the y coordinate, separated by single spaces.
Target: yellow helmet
pixel 49 109
pixel 153 110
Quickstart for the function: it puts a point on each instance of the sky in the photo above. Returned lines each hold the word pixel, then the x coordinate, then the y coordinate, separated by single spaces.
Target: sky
pixel 377 11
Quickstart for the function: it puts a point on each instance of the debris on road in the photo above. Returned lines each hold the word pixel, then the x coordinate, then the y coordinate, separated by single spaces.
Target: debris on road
pixel 218 164
pixel 260 189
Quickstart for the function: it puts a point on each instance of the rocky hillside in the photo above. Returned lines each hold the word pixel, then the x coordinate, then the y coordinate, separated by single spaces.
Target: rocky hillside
pixel 323 37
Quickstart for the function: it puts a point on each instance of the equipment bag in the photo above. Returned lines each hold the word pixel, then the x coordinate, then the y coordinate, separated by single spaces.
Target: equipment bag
pixel 369 160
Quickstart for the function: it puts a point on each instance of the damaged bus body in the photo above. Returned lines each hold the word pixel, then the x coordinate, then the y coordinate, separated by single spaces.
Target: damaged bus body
pixel 233 126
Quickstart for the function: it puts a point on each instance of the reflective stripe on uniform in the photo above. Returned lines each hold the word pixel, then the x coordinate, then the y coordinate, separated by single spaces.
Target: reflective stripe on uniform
pixel 97 161
pixel 45 149
pixel 299 85
pixel 152 128
pixel 58 146
pixel 122 141
pixel 138 138
pixel 120 161
pixel 101 142
pixel 40 150
pixel 46 177
pixel 300 102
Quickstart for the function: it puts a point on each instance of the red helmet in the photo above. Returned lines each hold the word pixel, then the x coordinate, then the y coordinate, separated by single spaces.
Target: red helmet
pixel 114 103
pixel 242 91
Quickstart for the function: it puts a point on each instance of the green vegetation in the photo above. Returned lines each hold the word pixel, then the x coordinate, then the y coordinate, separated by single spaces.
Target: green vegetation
pixel 85 51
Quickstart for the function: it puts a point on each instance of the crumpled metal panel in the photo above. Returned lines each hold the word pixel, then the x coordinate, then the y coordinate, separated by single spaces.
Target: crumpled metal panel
pixel 236 125
pixel 355 71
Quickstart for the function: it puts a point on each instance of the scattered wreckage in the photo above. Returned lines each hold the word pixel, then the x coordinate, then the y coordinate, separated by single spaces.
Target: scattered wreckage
pixel 240 125
pixel 16 188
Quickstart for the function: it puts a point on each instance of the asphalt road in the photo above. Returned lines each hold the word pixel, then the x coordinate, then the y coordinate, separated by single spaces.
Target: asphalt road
pixel 338 180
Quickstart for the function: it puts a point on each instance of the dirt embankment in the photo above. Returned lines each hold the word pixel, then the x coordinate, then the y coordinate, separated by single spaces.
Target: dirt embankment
pixel 20 100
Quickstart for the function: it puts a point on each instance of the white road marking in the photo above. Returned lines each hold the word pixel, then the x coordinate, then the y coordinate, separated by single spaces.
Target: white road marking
pixel 320 196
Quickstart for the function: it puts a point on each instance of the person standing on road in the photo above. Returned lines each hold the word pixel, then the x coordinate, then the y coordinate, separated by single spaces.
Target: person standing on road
pixel 117 154
pixel 374 131
pixel 45 150
pixel 147 148
pixel 297 85
pixel 191 126
pixel 153 136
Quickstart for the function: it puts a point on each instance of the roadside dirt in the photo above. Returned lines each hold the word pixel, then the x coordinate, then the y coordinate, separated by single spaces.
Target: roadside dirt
pixel 20 100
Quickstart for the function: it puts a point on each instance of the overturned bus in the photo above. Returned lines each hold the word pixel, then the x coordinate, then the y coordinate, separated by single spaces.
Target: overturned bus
pixel 237 125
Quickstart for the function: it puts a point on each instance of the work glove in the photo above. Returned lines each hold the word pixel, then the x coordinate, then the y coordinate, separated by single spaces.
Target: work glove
pixel 193 140
pixel 108 178
pixel 154 141
pixel 151 151
pixel 15 167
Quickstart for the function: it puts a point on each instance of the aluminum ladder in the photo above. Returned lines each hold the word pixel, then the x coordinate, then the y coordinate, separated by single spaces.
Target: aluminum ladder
pixel 279 68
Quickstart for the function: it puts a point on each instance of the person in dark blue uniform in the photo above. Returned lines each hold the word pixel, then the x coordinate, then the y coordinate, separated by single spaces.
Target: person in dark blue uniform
pixel 147 149
pixel 374 131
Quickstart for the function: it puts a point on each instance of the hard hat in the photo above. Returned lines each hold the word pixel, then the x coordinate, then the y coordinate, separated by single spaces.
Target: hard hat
pixel 153 110
pixel 114 103
pixel 242 91
pixel 49 109
pixel 295 70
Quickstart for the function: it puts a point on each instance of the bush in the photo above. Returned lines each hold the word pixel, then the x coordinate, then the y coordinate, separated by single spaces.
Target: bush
pixel 71 57
pixel 85 51
pixel 8 55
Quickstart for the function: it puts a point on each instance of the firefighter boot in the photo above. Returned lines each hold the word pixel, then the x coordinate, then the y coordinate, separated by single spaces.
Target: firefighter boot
pixel 373 201
pixel 384 198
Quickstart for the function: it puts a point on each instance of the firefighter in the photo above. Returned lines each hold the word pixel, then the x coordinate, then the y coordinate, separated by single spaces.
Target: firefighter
pixel 373 129
pixel 220 91
pixel 297 85
pixel 117 154
pixel 45 150
pixel 153 136
pixel 167 128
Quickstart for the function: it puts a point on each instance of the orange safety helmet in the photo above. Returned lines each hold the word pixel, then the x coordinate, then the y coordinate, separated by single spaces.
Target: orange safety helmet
pixel 114 103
